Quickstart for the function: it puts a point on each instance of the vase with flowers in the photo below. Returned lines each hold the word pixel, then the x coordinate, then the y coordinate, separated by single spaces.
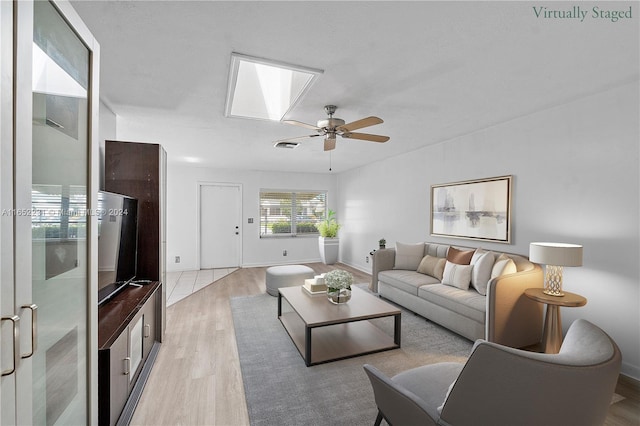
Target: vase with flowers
pixel 338 286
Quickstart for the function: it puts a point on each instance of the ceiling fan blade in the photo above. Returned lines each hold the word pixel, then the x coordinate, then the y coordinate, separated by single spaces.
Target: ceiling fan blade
pixel 366 137
pixel 299 138
pixel 329 144
pixel 301 124
pixel 359 124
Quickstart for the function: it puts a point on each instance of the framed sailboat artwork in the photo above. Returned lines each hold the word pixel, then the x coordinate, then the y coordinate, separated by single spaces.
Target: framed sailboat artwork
pixel 473 209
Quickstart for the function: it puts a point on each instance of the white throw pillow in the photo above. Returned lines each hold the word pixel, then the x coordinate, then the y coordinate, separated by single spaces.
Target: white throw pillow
pixel 481 273
pixel 476 255
pixel 502 266
pixel 457 275
pixel 408 256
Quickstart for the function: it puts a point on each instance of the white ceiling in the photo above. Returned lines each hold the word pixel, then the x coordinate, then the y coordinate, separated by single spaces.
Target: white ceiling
pixel 431 70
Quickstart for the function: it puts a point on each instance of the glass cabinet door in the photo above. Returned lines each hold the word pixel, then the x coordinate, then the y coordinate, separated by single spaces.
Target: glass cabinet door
pixel 54 279
pixel 60 145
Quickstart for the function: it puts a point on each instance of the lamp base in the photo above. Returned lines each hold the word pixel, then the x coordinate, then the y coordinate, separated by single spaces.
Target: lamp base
pixel 553 281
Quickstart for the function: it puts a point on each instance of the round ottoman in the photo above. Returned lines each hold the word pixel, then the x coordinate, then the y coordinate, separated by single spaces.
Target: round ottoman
pixel 286 276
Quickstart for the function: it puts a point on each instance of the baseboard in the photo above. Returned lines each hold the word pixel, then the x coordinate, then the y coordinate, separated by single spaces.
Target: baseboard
pixel 284 262
pixel 630 370
pixel 356 267
pixel 631 381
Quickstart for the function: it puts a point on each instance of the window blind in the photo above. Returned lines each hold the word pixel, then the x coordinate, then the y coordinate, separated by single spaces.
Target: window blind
pixel 291 213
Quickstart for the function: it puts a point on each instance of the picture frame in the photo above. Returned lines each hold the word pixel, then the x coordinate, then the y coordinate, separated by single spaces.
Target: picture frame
pixel 474 209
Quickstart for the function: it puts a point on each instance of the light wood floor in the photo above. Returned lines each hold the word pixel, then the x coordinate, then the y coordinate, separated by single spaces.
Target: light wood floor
pixel 196 379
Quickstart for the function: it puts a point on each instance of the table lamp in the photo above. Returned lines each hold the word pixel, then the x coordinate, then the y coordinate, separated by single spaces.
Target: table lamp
pixel 555 256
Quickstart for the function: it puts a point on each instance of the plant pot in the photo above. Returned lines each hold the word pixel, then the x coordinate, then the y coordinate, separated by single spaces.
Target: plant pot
pixel 328 249
pixel 338 296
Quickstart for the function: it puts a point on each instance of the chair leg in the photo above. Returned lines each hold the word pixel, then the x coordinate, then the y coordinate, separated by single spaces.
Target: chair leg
pixel 378 419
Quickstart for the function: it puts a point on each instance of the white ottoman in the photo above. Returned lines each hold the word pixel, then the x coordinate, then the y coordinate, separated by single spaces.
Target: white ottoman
pixel 287 276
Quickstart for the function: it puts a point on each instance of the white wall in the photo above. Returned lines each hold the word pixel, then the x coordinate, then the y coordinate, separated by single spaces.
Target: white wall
pixel 576 180
pixel 182 215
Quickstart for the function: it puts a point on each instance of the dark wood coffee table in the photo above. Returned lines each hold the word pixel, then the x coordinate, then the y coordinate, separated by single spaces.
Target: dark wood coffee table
pixel 324 332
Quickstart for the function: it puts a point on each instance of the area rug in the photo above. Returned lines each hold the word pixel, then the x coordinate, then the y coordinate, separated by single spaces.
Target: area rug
pixel 281 390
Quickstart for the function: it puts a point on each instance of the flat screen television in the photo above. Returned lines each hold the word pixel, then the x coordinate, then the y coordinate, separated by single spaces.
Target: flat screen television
pixel 117 243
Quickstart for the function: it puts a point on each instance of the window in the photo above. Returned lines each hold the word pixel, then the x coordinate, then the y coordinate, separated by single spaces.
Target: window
pixel 264 89
pixel 287 213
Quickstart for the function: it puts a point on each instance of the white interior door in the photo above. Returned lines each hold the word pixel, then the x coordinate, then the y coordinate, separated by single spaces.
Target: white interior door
pixel 220 220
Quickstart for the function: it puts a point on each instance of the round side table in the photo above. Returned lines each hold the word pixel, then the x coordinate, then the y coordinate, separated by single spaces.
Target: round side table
pixel 552 333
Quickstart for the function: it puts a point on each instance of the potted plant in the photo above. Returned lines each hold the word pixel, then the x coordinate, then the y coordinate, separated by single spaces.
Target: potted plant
pixel 328 241
pixel 382 243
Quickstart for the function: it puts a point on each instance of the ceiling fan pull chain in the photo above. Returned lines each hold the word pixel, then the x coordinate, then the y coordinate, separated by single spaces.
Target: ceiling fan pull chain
pixel 329 160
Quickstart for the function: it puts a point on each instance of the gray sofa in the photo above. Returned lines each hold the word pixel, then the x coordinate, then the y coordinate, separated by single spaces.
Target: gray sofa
pixel 502 315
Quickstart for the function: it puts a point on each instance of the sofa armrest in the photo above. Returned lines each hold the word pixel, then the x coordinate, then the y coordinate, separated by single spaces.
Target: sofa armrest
pixel 512 318
pixel 383 260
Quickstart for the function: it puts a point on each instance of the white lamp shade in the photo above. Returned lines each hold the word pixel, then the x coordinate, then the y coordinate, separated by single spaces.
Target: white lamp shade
pixel 558 254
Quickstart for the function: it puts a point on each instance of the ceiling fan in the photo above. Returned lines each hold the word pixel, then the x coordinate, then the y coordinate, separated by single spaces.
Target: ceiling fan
pixel 332 127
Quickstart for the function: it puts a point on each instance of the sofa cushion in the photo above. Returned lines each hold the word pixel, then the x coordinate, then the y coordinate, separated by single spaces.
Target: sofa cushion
pixel 461 257
pixel 468 303
pixel 482 262
pixel 502 266
pixel 408 256
pixel 408 281
pixel 437 250
pixel 432 266
pixel 457 275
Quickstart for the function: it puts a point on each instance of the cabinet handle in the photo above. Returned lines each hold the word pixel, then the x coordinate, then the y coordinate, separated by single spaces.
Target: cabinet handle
pixel 16 342
pixel 34 328
pixel 147 330
pixel 127 366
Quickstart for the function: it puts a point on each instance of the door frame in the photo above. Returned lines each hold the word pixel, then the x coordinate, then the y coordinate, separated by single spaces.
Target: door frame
pixel 200 184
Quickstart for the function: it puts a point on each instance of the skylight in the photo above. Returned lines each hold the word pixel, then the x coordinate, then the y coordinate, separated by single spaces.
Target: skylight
pixel 263 89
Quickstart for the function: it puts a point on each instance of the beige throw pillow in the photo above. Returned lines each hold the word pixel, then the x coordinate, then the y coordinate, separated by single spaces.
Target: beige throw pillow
pixel 408 256
pixel 502 266
pixel 432 266
pixel 457 275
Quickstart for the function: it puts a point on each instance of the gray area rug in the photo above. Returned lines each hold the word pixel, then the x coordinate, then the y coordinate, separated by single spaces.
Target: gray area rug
pixel 281 390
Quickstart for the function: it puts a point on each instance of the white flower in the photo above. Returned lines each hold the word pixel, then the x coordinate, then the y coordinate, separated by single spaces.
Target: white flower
pixel 338 279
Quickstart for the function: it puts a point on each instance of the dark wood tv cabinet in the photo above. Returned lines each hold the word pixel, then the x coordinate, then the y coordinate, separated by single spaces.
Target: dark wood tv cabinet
pixel 128 328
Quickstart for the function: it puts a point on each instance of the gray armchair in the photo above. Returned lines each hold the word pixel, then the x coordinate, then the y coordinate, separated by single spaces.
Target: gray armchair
pixel 499 385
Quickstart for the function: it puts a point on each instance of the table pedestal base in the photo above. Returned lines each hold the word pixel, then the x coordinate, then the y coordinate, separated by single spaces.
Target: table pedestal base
pixel 552 334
